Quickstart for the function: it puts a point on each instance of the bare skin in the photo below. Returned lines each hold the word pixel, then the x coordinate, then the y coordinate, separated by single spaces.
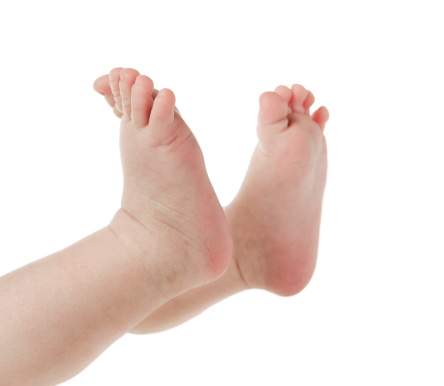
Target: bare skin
pixel 170 235
pixel 166 187
pixel 275 218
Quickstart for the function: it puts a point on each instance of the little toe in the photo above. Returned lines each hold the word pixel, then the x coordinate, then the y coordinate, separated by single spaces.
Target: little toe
pixel 127 78
pixel 141 101
pixel 102 86
pixel 320 116
pixel 114 80
pixel 298 98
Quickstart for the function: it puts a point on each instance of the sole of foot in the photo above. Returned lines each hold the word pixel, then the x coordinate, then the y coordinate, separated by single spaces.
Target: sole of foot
pixel 278 208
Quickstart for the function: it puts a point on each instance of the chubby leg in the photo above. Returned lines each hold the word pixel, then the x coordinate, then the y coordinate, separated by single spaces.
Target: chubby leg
pixel 275 218
pixel 169 236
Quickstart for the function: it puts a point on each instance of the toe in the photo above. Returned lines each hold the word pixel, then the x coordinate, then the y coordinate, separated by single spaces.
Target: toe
pixel 284 92
pixel 154 95
pixel 162 128
pixel 114 80
pixel 102 86
pixel 127 78
pixel 320 116
pixel 273 119
pixel 141 101
pixel 308 102
pixel 273 111
pixel 163 108
pixel 155 92
pixel 299 96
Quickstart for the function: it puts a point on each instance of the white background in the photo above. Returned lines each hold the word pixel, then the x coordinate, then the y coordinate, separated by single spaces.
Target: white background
pixel 373 313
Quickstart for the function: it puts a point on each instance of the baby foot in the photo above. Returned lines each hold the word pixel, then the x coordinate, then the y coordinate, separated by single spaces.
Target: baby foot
pixel 168 203
pixel 275 217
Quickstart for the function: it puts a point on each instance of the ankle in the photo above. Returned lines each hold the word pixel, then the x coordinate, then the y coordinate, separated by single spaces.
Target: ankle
pixel 265 260
pixel 244 246
pixel 171 262
pixel 141 246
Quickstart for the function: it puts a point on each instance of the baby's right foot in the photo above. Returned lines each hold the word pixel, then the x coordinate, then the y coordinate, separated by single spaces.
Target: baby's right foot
pixel 169 210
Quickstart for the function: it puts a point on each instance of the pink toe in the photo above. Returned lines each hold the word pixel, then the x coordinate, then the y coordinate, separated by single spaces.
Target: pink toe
pixel 102 86
pixel 320 116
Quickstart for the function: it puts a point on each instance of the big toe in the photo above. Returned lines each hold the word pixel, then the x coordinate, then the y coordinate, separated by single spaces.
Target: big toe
pixel 166 125
pixel 273 114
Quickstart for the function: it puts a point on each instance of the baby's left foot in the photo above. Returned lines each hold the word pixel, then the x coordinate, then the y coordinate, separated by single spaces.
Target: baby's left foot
pixel 275 217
